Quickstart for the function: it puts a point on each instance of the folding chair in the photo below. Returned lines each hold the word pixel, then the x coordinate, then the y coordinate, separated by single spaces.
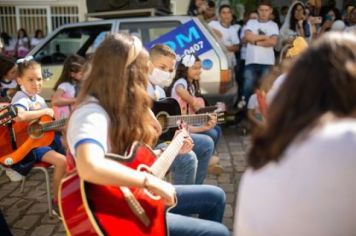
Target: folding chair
pixel 42 166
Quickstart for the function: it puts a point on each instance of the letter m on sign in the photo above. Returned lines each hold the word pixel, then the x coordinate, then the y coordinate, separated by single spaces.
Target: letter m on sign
pixel 193 35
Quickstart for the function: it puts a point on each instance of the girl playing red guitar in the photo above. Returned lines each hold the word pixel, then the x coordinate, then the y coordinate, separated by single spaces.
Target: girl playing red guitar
pixel 113 111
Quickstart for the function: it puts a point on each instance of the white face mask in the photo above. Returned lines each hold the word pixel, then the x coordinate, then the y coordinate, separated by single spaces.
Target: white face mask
pixel 161 78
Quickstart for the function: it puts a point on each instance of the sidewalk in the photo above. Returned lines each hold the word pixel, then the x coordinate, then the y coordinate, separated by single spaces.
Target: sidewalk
pixel 27 212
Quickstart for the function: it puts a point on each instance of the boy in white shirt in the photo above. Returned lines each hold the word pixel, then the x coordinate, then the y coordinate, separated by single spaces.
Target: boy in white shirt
pixel 226 32
pixel 261 36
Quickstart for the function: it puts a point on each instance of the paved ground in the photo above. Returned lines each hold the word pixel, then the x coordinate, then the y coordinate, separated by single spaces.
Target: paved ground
pixel 27 214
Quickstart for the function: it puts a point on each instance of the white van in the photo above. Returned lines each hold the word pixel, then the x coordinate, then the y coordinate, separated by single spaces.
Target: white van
pixel 217 83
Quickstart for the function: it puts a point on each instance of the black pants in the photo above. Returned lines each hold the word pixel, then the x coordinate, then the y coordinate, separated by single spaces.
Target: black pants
pixel 4 229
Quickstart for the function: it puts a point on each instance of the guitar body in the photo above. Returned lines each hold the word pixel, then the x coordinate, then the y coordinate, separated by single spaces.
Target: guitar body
pixel 162 109
pixel 89 209
pixel 28 136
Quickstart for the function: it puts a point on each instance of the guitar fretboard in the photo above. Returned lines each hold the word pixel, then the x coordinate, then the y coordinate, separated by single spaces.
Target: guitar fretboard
pixel 53 125
pixel 189 119
pixel 161 166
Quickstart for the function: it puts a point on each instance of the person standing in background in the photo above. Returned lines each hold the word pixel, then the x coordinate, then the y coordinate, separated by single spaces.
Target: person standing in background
pixel 22 44
pixel 37 38
pixel 261 36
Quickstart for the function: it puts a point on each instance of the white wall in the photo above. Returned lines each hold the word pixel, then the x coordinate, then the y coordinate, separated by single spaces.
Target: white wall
pixel 80 3
pixel 181 7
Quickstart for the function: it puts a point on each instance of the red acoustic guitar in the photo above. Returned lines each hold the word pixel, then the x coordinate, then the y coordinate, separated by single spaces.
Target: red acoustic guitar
pixel 89 209
pixel 17 140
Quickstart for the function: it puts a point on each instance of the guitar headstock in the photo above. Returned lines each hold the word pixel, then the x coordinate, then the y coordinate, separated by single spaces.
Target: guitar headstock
pixel 7 113
pixel 220 107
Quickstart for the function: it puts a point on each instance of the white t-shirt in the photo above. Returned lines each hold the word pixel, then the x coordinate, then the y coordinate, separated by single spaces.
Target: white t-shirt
pixel 244 45
pixel 35 41
pixel 229 36
pixel 350 29
pixel 156 92
pixel 275 88
pixel 89 123
pixel 252 102
pixel 257 54
pixel 310 192
pixel 28 103
pixel 10 84
pixel 181 82
pixel 68 88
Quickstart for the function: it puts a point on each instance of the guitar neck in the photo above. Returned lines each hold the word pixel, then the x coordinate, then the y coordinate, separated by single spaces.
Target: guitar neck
pixel 207 109
pixel 49 126
pixel 197 119
pixel 164 162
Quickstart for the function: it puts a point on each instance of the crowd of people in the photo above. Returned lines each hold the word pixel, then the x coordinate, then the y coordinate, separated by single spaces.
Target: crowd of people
pixel 303 114
pixel 21 45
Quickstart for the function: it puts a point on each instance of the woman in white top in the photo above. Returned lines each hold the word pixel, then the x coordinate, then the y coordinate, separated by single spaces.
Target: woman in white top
pixel 300 179
pixel 22 44
pixel 37 39
pixel 295 25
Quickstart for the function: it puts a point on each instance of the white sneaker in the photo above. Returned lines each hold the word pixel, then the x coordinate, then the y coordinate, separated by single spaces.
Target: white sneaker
pixel 14 176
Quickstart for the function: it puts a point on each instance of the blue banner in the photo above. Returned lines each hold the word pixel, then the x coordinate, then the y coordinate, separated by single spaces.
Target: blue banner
pixel 185 39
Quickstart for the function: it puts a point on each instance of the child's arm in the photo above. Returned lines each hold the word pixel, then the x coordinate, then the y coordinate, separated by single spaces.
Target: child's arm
pixel 251 114
pixel 23 115
pixel 185 95
pixel 59 100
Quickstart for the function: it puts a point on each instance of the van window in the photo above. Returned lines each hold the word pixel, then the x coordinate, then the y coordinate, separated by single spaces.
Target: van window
pixel 148 31
pixel 77 40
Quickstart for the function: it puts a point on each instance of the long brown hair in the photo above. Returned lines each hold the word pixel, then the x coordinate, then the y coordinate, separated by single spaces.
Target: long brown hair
pixel 322 80
pixel 182 73
pixel 118 80
pixel 72 64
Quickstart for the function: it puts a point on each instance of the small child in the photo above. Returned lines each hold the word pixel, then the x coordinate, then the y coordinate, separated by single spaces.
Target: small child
pixel 32 106
pixel 185 89
pixel 67 86
pixel 7 78
pixel 254 111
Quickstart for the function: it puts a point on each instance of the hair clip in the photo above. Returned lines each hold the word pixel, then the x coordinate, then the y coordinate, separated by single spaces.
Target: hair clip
pixel 25 59
pixel 188 60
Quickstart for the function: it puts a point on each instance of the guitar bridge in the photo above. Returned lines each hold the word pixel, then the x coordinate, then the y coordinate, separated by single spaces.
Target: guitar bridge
pixel 135 206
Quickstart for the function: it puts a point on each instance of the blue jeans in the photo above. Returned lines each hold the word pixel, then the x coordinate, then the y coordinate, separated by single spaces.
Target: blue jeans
pixel 215 134
pixel 203 148
pixel 183 168
pixel 206 201
pixel 253 73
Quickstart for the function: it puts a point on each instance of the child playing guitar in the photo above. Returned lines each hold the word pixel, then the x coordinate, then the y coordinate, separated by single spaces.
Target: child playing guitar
pixel 31 106
pixel 185 89
pixel 113 111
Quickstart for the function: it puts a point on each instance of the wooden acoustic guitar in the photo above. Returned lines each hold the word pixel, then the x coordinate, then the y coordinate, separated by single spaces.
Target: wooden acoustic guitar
pixel 18 139
pixel 168 114
pixel 90 209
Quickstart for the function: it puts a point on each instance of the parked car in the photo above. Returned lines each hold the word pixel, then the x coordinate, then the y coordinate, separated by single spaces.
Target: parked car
pixel 217 82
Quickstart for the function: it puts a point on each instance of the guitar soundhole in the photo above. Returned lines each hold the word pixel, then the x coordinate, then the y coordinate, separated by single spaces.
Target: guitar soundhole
pixel 162 119
pixel 35 130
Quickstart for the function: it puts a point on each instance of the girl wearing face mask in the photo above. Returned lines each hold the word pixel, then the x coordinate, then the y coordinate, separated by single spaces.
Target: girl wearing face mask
pixel 189 167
